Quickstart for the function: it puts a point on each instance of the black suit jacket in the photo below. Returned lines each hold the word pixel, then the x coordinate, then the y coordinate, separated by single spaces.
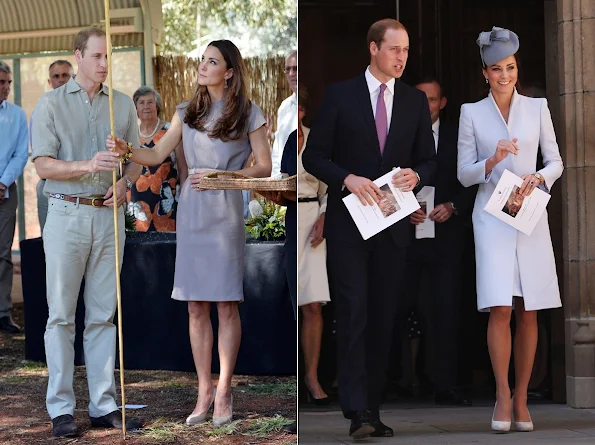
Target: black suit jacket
pixel 343 140
pixel 448 187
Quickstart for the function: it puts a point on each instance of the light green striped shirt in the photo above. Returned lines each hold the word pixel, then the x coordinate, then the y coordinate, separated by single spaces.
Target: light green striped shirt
pixel 69 127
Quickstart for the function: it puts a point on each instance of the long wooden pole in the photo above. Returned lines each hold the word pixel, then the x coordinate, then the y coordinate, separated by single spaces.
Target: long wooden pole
pixel 115 198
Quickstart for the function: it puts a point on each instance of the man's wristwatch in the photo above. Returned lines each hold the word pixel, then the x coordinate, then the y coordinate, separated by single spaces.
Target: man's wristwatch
pixel 418 178
pixel 539 176
pixel 128 182
pixel 454 209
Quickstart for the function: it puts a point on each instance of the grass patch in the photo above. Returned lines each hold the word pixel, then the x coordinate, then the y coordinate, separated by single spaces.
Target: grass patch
pixel 161 430
pixel 32 366
pixel 265 427
pixel 173 385
pixel 11 379
pixel 277 389
pixel 225 430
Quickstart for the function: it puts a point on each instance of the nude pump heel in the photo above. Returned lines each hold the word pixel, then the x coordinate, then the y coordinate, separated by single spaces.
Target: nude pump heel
pixel 500 426
pixel 201 417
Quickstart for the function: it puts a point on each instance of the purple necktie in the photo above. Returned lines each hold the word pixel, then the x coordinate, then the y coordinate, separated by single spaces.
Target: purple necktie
pixel 381 118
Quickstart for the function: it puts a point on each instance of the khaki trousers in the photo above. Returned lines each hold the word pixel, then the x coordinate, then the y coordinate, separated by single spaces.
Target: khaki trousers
pixel 79 242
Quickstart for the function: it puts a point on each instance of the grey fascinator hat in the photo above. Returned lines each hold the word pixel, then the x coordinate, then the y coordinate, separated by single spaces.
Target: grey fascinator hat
pixel 497 44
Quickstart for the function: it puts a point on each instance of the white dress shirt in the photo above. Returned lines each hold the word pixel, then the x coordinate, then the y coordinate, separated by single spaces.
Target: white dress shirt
pixel 287 122
pixel 436 133
pixel 389 92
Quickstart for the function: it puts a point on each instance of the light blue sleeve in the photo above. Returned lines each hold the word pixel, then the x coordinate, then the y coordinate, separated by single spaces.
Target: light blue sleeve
pixel 470 170
pixel 19 158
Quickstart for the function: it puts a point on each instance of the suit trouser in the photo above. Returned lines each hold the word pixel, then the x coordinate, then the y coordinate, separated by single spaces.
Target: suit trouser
pixel 442 262
pixel 42 204
pixel 8 218
pixel 79 242
pixel 365 279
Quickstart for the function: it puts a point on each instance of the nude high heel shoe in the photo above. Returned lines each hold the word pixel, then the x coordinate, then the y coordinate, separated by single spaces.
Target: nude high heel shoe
pixel 220 421
pixel 201 417
pixel 500 426
pixel 523 427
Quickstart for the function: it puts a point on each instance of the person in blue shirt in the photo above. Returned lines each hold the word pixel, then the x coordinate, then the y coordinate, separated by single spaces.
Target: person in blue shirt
pixel 13 157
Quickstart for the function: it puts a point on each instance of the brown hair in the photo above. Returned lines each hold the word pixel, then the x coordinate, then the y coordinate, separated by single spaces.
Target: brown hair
pixel 81 39
pixel 233 122
pixel 379 28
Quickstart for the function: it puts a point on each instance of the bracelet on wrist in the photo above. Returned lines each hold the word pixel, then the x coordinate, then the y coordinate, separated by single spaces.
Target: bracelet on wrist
pixel 126 158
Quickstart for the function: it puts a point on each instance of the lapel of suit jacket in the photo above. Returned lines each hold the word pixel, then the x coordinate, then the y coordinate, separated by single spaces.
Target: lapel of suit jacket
pixel 397 116
pixel 365 105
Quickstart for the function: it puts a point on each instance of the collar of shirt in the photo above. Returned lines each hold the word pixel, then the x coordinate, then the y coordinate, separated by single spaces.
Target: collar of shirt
pixel 436 133
pixel 436 127
pixel 374 84
pixel 73 87
pixel 4 104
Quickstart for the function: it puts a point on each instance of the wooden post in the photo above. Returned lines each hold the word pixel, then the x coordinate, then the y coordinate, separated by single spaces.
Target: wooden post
pixel 115 198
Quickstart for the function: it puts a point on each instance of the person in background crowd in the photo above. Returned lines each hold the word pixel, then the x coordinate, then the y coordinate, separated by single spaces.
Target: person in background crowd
pixel 154 196
pixel 287 120
pixel 13 157
pixel 441 256
pixel 313 279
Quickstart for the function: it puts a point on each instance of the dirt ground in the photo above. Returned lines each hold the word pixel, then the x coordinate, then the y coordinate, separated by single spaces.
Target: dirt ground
pixel 262 405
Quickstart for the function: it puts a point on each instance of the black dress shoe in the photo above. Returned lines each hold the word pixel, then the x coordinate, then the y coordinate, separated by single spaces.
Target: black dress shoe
pixel 9 326
pixel 451 398
pixel 64 426
pixel 360 425
pixel 114 420
pixel 380 429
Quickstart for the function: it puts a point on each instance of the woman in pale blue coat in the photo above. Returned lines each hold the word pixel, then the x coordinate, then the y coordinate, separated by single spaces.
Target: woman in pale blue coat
pixel 505 131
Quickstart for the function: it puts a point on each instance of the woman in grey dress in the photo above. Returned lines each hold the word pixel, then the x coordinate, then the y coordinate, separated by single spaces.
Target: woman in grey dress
pixel 220 128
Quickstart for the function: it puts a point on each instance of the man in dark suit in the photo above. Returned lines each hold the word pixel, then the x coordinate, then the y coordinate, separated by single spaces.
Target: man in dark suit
pixel 441 256
pixel 365 127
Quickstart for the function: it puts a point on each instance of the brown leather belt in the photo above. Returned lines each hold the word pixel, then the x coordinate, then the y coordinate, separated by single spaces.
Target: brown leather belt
pixel 95 202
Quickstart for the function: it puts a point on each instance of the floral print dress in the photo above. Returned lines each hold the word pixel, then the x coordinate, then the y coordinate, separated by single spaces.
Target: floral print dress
pixel 153 199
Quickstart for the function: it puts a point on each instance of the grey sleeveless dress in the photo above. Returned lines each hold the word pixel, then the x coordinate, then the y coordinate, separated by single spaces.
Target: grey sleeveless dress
pixel 211 238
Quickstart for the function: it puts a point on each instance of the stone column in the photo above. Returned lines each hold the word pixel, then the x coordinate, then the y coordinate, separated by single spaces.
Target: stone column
pixel 576 51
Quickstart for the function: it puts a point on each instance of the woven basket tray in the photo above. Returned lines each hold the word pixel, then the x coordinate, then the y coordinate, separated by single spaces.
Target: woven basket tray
pixel 235 181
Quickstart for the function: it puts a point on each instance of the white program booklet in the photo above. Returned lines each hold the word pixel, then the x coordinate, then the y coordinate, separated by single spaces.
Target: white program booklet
pixel 393 206
pixel 425 197
pixel 508 205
